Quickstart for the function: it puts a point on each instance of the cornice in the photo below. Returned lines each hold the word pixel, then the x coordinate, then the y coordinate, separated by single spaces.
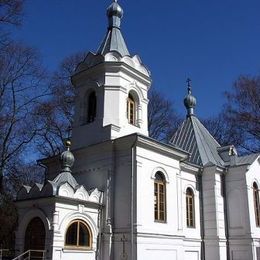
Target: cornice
pixel 112 66
pixel 161 148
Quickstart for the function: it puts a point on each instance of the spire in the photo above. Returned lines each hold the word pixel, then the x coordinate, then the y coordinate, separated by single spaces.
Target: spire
pixel 114 40
pixel 189 100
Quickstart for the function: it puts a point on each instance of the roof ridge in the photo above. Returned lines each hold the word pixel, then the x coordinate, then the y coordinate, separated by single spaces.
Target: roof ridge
pixel 207 140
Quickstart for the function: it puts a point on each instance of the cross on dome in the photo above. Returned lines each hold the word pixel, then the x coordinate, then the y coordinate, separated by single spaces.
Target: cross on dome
pixel 189 85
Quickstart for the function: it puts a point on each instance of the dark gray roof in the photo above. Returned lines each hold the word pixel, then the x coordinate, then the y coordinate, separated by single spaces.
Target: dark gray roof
pixel 246 159
pixel 65 177
pixel 113 41
pixel 194 138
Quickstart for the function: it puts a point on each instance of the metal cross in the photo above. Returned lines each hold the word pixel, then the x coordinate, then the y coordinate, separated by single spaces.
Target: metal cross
pixel 188 81
pixel 189 85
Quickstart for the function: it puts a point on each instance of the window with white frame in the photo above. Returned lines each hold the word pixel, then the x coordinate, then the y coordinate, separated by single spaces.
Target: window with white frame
pixel 159 197
pixel 131 110
pixel 78 235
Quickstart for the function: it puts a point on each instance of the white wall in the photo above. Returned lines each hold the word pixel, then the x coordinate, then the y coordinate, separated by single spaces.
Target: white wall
pixel 214 219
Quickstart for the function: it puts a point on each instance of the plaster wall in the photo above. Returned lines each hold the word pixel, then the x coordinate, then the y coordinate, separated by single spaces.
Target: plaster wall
pixel 215 240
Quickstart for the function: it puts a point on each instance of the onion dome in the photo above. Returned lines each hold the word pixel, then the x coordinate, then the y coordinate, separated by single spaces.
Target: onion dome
pixel 115 10
pixel 67 158
pixel 114 14
pixel 189 101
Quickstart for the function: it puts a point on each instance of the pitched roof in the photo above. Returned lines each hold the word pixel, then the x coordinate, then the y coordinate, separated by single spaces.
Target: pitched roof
pixel 246 160
pixel 193 137
pixel 113 41
pixel 65 177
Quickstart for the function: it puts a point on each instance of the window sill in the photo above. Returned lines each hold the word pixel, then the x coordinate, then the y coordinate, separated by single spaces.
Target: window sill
pixel 78 249
pixel 135 125
pixel 160 221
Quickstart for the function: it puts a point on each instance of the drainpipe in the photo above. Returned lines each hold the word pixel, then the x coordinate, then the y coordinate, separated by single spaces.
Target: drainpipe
pixel 99 238
pixel 112 198
pixel 202 227
pixel 133 171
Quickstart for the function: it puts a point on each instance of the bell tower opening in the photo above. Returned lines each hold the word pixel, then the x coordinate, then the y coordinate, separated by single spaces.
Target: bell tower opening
pixel 92 107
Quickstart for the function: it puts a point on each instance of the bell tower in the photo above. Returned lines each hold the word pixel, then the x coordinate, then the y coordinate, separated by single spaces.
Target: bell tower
pixel 111 89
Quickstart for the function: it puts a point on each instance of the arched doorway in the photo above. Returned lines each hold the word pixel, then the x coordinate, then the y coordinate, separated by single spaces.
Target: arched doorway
pixel 35 235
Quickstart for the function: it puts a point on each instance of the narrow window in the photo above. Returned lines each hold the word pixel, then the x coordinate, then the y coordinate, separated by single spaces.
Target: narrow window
pixel 159 197
pixel 131 110
pixel 92 107
pixel 190 208
pixel 78 235
pixel 257 205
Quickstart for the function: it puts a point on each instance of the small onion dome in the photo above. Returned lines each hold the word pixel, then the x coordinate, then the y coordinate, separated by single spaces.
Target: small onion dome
pixel 67 158
pixel 115 10
pixel 189 101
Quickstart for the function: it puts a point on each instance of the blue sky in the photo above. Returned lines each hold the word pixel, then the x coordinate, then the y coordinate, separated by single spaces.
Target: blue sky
pixel 212 42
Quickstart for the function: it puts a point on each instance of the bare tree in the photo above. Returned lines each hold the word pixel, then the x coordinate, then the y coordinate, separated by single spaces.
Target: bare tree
pixel 243 111
pixel 10 11
pixel 10 15
pixel 56 113
pixel 223 131
pixel 8 220
pixel 21 90
pixel 162 118
pixel 239 122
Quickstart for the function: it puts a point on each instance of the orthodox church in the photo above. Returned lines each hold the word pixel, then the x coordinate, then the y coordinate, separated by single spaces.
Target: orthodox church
pixel 115 193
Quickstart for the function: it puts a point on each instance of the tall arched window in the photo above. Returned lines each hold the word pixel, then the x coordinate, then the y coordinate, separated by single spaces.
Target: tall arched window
pixel 256 204
pixel 78 235
pixel 159 197
pixel 131 110
pixel 92 107
pixel 190 208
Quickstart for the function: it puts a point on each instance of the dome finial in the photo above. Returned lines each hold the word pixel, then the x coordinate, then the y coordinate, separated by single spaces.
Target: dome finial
pixel 189 85
pixel 67 158
pixel 189 100
pixel 114 14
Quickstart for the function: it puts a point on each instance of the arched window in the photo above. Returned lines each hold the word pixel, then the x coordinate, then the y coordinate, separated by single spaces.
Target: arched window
pixel 190 208
pixel 256 204
pixel 92 107
pixel 131 110
pixel 159 197
pixel 78 235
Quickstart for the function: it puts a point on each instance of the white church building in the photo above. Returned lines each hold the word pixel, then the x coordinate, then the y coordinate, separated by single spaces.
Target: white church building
pixel 118 194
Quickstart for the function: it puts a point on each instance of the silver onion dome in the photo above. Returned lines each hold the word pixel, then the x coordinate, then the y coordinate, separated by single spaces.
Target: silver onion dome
pixel 115 10
pixel 114 14
pixel 189 101
pixel 67 158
